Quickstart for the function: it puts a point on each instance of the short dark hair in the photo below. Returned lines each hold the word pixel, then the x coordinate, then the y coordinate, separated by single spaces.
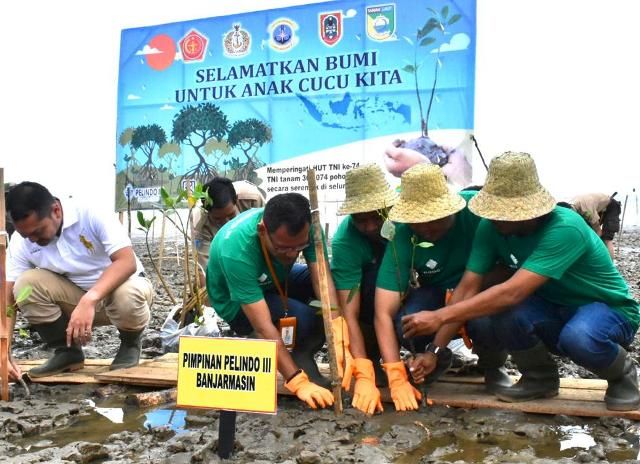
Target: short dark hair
pixel 287 209
pixel 564 204
pixel 27 198
pixel 221 192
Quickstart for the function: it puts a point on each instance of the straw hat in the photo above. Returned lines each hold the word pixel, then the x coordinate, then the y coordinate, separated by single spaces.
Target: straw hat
pixel 512 191
pixel 366 190
pixel 425 196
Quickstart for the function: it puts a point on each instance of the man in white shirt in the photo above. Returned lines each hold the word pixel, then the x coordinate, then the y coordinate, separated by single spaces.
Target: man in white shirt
pixel 82 272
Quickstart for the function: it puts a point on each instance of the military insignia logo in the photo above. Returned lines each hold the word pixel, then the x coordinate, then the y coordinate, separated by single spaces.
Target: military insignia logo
pixel 193 46
pixel 87 244
pixel 381 22
pixel 282 34
pixel 330 27
pixel 236 42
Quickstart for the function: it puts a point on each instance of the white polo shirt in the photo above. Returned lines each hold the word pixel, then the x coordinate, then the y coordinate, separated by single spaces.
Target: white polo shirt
pixel 80 254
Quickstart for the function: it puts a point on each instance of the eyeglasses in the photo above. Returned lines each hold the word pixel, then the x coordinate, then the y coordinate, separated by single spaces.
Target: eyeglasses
pixel 284 250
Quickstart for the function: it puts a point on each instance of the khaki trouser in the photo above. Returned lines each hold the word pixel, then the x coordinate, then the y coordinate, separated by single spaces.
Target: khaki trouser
pixel 127 307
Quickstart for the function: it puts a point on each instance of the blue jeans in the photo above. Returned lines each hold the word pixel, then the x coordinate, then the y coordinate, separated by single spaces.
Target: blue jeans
pixel 367 294
pixel 300 292
pixel 480 330
pixel 589 335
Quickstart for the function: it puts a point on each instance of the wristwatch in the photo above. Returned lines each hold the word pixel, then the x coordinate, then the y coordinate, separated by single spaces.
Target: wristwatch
pixel 433 348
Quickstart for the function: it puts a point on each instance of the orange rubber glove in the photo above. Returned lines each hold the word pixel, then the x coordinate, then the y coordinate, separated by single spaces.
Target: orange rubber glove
pixel 344 358
pixel 366 396
pixel 309 392
pixel 405 397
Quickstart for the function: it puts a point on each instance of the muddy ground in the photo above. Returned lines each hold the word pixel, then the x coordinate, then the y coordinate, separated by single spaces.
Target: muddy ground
pixel 62 423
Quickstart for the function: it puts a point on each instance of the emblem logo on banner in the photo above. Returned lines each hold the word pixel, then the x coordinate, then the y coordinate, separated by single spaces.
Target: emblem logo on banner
pixel 282 33
pixel 193 46
pixel 236 42
pixel 331 27
pixel 381 22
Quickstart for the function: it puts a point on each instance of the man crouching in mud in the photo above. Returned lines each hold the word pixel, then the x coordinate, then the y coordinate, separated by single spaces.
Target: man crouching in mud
pixel 255 284
pixel 82 272
pixel 566 296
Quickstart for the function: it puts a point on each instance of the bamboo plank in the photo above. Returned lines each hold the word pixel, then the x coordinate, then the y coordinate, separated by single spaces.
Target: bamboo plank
pixel 472 397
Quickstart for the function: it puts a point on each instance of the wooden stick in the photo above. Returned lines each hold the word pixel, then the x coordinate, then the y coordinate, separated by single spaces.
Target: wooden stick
pixel 324 289
pixel 4 329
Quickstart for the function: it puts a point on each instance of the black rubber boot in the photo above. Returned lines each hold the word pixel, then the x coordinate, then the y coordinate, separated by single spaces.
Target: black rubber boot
pixel 622 393
pixel 373 353
pixel 64 359
pixel 304 356
pixel 129 352
pixel 540 378
pixel 492 364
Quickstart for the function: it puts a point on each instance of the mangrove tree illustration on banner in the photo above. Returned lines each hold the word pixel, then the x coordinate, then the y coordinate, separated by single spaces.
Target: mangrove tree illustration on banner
pixel 263 96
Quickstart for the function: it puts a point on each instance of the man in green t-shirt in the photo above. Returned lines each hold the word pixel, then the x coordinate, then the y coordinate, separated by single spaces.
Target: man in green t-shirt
pixel 357 249
pixel 426 257
pixel 566 295
pixel 253 282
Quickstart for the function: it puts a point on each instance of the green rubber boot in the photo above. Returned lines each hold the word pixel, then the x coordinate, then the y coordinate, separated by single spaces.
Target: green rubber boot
pixel 304 356
pixel 492 364
pixel 64 359
pixel 622 393
pixel 129 352
pixel 540 378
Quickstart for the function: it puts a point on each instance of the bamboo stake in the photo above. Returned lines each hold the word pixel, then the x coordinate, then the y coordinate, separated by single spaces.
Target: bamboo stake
pixel 4 335
pixel 324 289
pixel 161 251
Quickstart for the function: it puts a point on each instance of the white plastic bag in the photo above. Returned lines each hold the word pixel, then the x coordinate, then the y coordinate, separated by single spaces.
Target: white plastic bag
pixel 170 333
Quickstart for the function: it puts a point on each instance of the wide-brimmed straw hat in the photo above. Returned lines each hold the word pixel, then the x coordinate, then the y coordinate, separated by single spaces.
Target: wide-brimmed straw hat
pixel 425 196
pixel 366 190
pixel 512 191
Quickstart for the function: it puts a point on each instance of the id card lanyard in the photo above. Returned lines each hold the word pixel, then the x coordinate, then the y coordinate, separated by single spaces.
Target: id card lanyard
pixel 287 325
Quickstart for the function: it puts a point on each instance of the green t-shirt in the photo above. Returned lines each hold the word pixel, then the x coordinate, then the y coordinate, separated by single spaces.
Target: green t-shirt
pixel 440 266
pixel 237 273
pixel 567 251
pixel 351 252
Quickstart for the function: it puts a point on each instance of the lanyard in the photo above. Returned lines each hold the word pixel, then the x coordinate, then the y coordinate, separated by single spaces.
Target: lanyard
pixel 283 294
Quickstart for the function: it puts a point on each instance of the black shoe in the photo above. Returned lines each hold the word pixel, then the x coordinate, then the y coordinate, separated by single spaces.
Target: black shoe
pixel 129 352
pixel 65 359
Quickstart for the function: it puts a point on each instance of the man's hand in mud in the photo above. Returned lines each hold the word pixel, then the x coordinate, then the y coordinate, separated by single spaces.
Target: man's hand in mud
pixel 80 323
pixel 420 323
pixel 314 395
pixel 421 365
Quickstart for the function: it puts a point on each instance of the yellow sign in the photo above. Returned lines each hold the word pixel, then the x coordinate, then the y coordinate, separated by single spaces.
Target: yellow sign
pixel 236 374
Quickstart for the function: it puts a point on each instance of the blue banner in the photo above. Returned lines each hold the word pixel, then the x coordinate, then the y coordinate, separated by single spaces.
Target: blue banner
pixel 262 96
